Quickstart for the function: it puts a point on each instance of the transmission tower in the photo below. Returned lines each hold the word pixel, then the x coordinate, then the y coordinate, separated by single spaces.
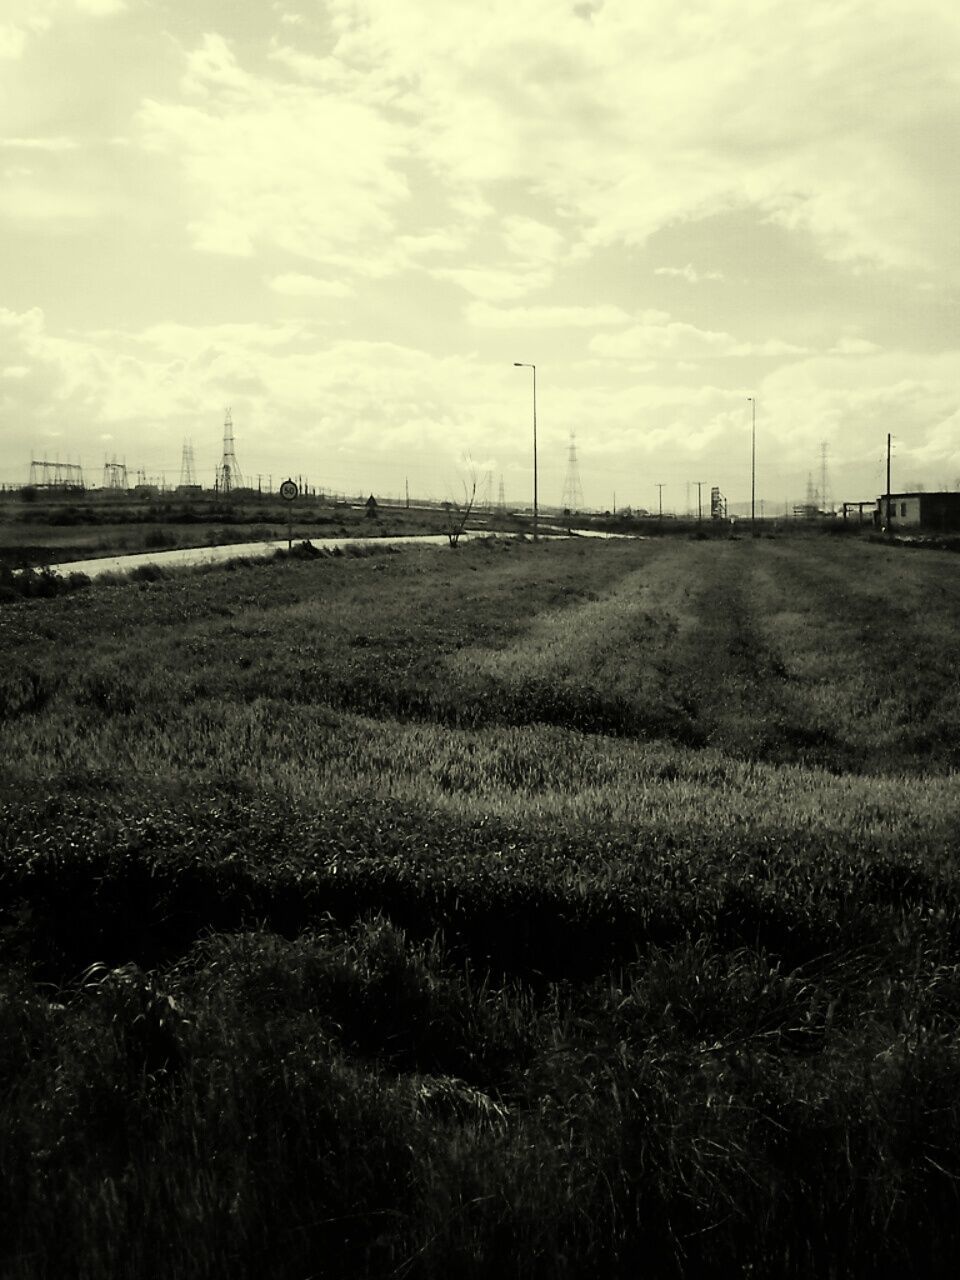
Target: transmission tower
pixel 825 503
pixel 228 473
pixel 187 465
pixel 502 501
pixel 572 492
pixel 114 474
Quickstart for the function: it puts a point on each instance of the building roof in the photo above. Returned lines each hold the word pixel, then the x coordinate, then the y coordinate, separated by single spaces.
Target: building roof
pixel 924 493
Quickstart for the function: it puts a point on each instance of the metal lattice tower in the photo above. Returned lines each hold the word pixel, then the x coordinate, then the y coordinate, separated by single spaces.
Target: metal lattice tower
pixel 114 475
pixel 56 475
pixel 825 502
pixel 809 509
pixel 502 501
pixel 229 476
pixel 187 465
pixel 572 492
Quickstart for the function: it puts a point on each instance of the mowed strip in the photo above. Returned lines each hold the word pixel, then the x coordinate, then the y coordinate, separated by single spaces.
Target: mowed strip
pixel 603 662
pixel 869 645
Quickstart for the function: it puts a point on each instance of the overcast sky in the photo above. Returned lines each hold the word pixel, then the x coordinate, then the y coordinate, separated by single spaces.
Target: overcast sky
pixel 346 219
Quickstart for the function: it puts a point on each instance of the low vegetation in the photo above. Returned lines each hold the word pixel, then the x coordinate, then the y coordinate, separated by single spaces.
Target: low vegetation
pixel 569 908
pixel 60 530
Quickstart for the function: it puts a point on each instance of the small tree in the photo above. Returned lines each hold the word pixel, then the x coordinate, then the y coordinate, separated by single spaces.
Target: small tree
pixel 458 513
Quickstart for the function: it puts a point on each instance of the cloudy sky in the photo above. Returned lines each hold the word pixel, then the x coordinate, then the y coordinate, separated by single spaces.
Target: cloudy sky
pixel 346 219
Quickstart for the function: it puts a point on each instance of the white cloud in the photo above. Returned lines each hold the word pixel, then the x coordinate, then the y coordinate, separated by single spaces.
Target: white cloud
pixel 13 41
pixel 688 273
pixel 26 18
pixel 532 241
pixel 821 116
pixel 39 144
pixel 850 346
pixel 494 284
pixel 545 317
pixel 100 8
pixel 294 285
pixel 676 340
pixel 268 163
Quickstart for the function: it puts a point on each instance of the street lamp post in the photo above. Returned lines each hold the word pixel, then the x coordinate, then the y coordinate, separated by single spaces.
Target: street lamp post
pixel 753 465
pixel 520 364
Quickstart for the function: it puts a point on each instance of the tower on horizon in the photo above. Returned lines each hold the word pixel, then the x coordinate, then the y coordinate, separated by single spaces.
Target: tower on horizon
pixel 228 473
pixel 114 475
pixel 826 502
pixel 187 466
pixel 572 499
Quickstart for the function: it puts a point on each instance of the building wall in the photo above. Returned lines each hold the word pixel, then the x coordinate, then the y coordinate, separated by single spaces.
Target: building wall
pixel 904 511
pixel 930 512
pixel 940 512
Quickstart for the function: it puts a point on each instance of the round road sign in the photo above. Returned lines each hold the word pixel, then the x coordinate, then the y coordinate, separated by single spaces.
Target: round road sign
pixel 289 490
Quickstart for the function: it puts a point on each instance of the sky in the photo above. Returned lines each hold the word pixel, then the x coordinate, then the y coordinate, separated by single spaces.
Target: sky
pixel 345 220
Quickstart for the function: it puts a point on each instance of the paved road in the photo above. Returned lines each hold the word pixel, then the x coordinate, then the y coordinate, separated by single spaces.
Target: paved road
pixel 230 551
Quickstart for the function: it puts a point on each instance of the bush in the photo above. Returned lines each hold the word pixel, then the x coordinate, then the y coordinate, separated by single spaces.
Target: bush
pixel 158 538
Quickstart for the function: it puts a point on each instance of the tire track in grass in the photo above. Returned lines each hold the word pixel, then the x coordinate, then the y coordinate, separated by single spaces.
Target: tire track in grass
pixel 601 665
pixel 747 700
pixel 876 651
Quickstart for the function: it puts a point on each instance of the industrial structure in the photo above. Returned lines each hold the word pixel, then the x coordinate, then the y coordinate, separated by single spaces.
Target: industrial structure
pixel 919 511
pixel 572 499
pixel 188 472
pixel 114 476
pixel 63 477
pixel 718 504
pixel 229 477
pixel 826 498
pixel 809 509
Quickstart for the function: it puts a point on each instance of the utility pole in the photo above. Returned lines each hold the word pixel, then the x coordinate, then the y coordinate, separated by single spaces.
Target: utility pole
pixel 521 364
pixel 660 488
pixel 406 486
pixel 698 483
pixel 889 525
pixel 753 464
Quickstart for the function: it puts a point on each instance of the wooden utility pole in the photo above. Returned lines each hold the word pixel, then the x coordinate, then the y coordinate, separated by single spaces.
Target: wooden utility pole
pixel 660 488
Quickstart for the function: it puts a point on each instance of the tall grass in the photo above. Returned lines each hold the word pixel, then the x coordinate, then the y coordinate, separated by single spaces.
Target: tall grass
pixel 547 910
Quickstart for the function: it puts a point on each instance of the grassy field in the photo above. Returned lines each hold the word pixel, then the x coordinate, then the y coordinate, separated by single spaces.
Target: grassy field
pixel 555 909
pixel 48 531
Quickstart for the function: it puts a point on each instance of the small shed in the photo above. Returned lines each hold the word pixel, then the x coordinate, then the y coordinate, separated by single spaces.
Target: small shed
pixel 920 511
pixel 371 505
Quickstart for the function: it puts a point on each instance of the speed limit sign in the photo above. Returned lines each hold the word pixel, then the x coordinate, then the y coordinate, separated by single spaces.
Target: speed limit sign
pixel 289 490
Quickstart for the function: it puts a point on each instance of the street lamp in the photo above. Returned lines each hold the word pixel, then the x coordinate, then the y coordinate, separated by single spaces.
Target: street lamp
pixel 753 464
pixel 520 364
